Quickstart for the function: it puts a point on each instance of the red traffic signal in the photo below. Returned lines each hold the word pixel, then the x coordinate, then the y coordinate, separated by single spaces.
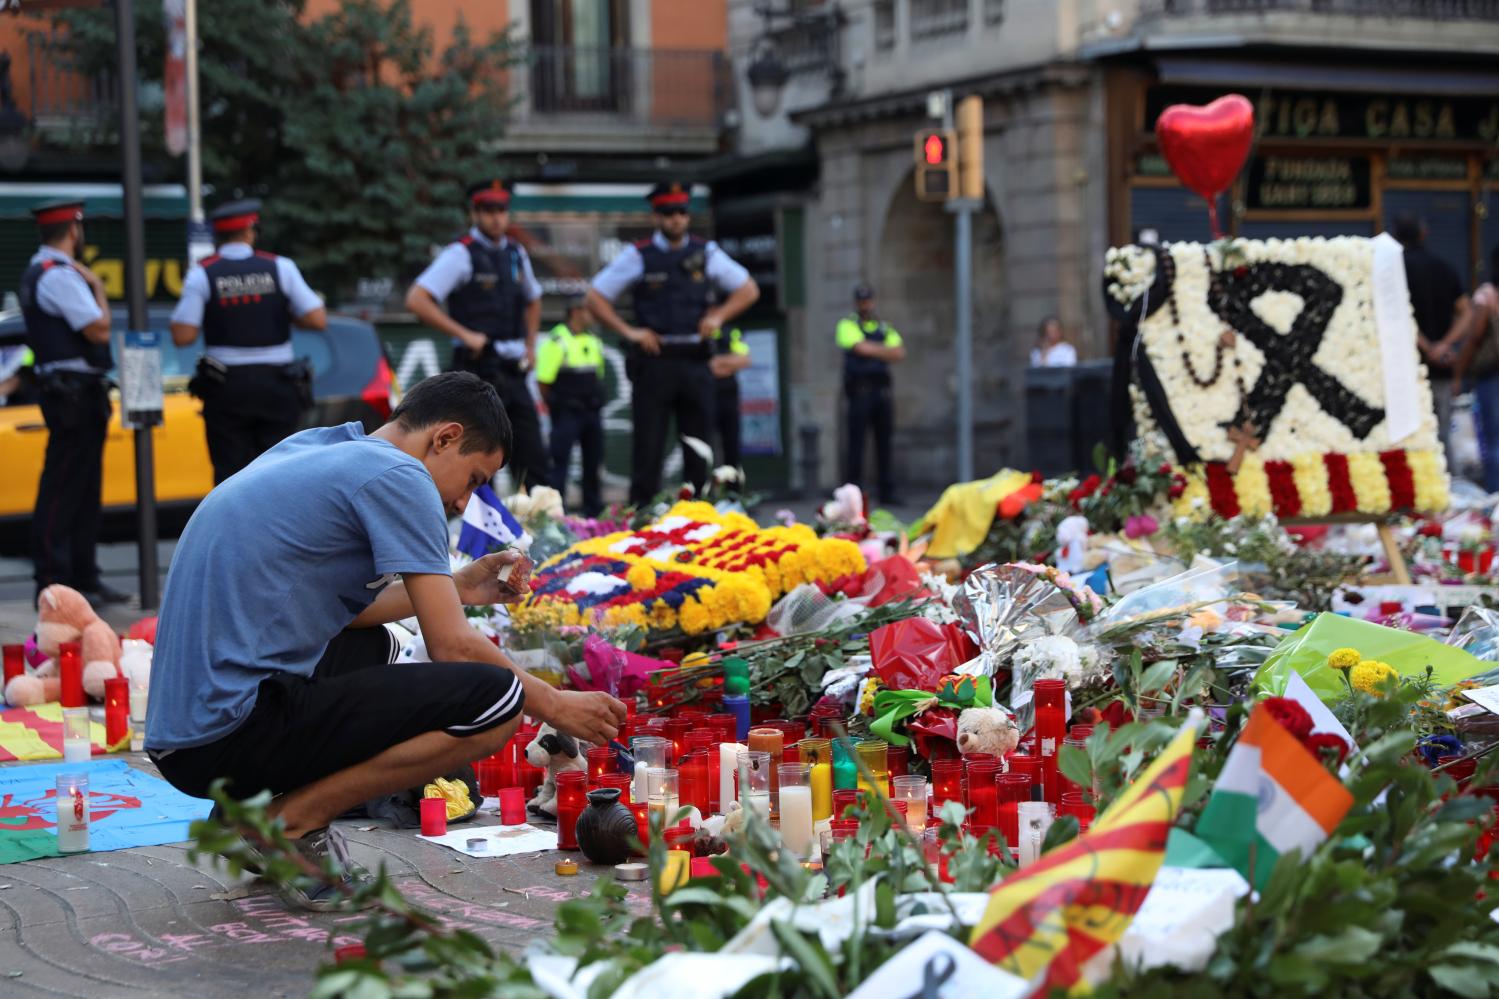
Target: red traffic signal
pixel 936 167
pixel 934 149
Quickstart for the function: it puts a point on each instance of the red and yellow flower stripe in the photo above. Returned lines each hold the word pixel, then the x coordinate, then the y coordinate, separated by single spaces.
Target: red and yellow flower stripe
pixel 1313 485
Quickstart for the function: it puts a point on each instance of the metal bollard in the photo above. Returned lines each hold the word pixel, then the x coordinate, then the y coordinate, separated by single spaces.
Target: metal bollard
pixel 809 433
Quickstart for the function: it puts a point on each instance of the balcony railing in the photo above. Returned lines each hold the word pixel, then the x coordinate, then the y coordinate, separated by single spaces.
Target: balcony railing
pixel 1435 10
pixel 63 101
pixel 648 87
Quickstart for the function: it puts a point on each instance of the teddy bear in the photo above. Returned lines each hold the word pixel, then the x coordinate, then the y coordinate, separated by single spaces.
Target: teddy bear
pixel 555 753
pixel 64 615
pixel 987 730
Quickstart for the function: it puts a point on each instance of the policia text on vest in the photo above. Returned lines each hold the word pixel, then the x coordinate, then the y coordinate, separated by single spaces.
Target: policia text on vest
pixel 67 329
pixel 254 390
pixel 493 311
pixel 570 372
pixel 675 278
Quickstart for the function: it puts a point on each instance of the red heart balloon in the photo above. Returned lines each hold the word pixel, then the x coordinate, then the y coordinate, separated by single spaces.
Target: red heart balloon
pixel 1206 146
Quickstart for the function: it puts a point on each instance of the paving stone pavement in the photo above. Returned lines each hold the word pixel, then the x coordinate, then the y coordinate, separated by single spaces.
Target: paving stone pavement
pixel 146 922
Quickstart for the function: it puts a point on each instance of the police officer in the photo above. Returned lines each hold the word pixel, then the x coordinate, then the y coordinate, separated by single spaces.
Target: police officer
pixel 730 356
pixel 494 312
pixel 870 346
pixel 673 276
pixel 245 302
pixel 67 329
pixel 570 371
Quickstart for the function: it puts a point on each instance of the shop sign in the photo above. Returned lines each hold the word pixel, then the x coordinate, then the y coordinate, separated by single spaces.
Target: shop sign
pixel 1300 115
pixel 1426 168
pixel 1320 183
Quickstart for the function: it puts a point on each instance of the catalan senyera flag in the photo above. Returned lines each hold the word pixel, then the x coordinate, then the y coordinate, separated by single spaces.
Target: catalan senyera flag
pixel 1044 923
pixel 1272 797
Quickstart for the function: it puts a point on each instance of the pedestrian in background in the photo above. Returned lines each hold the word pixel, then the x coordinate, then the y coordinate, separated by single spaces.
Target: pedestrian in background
pixel 1478 365
pixel 870 345
pixel 67 328
pixel 1441 308
pixel 570 372
pixel 493 315
pixel 673 276
pixel 245 302
pixel 731 355
pixel 1052 349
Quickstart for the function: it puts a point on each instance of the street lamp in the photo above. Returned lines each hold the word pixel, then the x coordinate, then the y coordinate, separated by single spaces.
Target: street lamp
pixel 768 73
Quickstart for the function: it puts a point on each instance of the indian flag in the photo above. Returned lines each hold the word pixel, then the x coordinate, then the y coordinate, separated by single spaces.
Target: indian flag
pixel 1272 797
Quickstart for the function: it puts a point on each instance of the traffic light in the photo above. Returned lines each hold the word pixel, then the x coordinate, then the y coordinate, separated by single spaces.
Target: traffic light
pixel 936 165
pixel 971 148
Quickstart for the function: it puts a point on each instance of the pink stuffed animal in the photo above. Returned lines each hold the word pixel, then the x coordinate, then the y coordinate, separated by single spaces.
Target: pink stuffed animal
pixel 64 615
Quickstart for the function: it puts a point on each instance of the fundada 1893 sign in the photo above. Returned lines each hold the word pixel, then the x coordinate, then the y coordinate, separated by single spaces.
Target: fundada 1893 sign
pixel 1307 183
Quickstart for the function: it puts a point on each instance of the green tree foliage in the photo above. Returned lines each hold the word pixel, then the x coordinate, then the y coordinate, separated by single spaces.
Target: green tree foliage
pixel 357 133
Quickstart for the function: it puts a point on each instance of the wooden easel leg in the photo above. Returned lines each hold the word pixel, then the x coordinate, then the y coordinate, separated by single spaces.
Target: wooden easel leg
pixel 1393 555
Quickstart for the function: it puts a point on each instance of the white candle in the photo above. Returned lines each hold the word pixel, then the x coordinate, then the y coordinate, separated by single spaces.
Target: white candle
pixel 759 802
pixel 916 815
pixel 728 763
pixel 139 694
pixel 72 813
pixel 77 745
pixel 796 820
pixel 638 790
pixel 1035 820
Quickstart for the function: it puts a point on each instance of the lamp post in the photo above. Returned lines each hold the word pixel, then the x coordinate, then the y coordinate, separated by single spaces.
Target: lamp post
pixel 768 73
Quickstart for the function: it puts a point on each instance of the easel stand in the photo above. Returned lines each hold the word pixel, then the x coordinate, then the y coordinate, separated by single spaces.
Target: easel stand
pixel 1392 552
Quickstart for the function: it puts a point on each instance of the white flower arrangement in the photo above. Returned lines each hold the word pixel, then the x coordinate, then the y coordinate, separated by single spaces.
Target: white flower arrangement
pixel 1130 270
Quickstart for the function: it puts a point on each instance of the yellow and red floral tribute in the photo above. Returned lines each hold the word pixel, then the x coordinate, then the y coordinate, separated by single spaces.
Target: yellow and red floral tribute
pixel 1319 485
pixel 695 569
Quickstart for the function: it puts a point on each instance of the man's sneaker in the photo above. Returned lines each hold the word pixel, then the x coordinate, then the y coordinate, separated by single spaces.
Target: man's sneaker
pixel 104 594
pixel 252 861
pixel 323 847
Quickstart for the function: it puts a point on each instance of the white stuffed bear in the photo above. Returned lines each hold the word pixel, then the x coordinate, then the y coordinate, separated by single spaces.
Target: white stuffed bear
pixel 987 730
pixel 554 752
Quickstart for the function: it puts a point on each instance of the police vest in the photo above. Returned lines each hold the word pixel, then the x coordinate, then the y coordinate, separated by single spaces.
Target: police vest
pixel 858 368
pixel 246 307
pixel 50 337
pixel 493 301
pixel 582 356
pixel 672 295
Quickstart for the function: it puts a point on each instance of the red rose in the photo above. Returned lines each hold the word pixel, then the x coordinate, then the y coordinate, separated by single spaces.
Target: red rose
pixel 685 493
pixel 1291 716
pixel 1326 740
pixel 1165 468
pixel 1087 488
pixel 1128 474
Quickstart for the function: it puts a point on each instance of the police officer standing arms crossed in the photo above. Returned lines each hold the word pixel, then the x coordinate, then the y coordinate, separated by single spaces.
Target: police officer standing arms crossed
pixel 570 371
pixel 245 301
pixel 673 276
pixel 67 329
pixel 870 346
pixel 494 311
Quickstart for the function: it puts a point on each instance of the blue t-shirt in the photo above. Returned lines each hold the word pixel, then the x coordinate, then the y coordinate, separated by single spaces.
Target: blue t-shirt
pixel 275 562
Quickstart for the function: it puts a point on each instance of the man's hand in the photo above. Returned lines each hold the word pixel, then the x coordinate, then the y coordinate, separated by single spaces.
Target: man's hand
pixel 645 339
pixel 709 324
pixel 722 365
pixel 90 278
pixel 591 715
pixel 475 342
pixel 479 583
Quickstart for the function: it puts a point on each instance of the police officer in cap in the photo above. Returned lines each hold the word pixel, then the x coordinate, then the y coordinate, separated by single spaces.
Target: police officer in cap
pixel 493 314
pixel 67 329
pixel 673 276
pixel 570 371
pixel 870 345
pixel 245 302
pixel 731 355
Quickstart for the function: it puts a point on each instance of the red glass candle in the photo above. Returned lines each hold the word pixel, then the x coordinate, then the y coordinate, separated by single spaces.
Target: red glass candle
pixel 676 731
pixel 843 799
pixel 621 782
pixel 791 732
pixel 682 837
pixel 488 772
pixel 642 813
pixel 898 759
pixel 512 806
pixel 898 809
pixel 1049 778
pixel 694 777
pixel 600 762
pixel 791 753
pixel 1011 789
pixel 947 782
pixel 701 739
pixel 983 796
pixel 571 785
pixel 116 710
pixel 1051 716
pixel 15 661
pixel 1020 763
pixel 70 668
pixel 726 725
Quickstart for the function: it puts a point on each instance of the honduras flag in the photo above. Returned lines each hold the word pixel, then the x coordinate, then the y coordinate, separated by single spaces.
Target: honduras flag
pixel 487 525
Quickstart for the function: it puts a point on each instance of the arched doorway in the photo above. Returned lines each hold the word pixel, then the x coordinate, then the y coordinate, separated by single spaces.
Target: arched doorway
pixel 914 278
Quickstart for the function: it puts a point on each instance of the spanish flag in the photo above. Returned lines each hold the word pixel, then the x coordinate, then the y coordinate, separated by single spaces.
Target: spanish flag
pixel 1045 922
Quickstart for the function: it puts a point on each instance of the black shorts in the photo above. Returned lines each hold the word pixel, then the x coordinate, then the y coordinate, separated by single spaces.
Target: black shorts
pixel 357 704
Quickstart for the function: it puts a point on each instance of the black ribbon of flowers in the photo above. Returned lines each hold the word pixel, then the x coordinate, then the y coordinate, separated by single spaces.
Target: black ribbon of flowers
pixel 1130 362
pixel 1288 356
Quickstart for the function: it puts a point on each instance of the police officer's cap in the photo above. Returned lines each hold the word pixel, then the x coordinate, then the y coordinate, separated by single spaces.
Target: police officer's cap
pixel 669 194
pixel 235 216
pixel 863 293
pixel 58 211
pixel 489 191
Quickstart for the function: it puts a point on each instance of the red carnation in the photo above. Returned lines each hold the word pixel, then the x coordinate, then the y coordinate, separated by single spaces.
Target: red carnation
pixel 1165 468
pixel 1087 488
pixel 1292 716
pixel 1326 740
pixel 1178 486
pixel 1128 474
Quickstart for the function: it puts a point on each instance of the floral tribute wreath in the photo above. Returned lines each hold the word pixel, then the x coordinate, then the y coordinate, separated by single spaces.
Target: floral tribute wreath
pixel 694 569
pixel 1260 364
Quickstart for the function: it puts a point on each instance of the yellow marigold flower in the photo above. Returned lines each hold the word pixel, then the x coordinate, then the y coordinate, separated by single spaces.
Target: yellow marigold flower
pixel 694 618
pixel 662 617
pixel 1345 658
pixel 641 577
pixel 1370 675
pixel 868 688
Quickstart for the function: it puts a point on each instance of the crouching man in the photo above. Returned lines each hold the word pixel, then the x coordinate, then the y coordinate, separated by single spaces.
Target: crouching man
pixel 271 668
